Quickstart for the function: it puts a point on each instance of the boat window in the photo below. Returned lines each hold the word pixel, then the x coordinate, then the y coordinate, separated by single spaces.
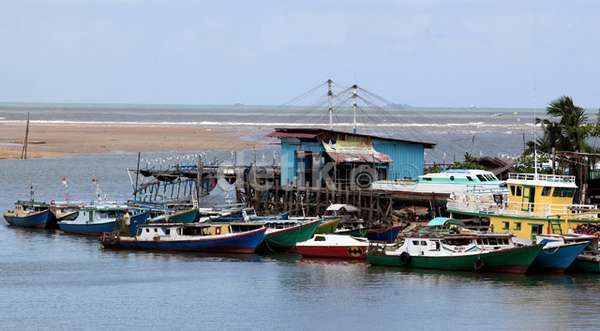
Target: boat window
pixel 451 177
pixel 546 191
pixel 490 178
pixel 481 178
pixel 564 192
pixel 168 232
pixel 469 178
pixel 423 243
pixel 479 242
pixel 437 245
pixel 427 179
pixel 458 242
pixel 320 238
pixel 155 230
pixel 518 191
pixel 505 225
pixel 512 189
pixel 493 241
pixel 517 226
pixel 179 231
pixel 147 230
pixel 415 242
pixel 139 232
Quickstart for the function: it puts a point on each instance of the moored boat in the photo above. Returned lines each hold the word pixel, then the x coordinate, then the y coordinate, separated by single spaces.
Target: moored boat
pixel 94 219
pixel 333 246
pixel 557 255
pixel 328 225
pixel 458 253
pixel 198 237
pixel 385 233
pixel 282 235
pixel 29 214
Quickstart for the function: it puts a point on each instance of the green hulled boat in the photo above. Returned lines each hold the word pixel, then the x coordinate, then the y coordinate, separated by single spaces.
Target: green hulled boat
pixel 283 235
pixel 587 264
pixel 181 216
pixel 464 253
pixel 328 225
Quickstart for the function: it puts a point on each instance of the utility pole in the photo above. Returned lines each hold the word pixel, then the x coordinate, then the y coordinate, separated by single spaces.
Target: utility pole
pixel 330 100
pixel 354 106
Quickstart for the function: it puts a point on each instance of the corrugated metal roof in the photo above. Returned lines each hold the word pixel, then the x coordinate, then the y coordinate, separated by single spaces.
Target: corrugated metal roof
pixel 313 133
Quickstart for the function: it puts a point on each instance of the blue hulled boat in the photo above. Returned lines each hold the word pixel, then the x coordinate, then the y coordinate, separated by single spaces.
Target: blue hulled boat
pixel 30 214
pixel 556 256
pixel 209 238
pixel 95 219
pixel 388 233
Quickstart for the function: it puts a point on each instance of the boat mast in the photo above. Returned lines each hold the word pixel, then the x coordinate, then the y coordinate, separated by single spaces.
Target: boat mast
pixel 354 106
pixel 330 100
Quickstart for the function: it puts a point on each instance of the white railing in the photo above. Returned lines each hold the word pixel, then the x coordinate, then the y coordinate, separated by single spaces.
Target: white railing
pixel 486 205
pixel 544 177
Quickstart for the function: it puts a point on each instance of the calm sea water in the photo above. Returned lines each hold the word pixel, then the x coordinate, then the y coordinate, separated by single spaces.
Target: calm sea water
pixel 49 280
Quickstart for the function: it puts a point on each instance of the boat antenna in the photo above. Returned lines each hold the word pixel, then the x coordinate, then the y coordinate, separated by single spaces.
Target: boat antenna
pixel 31 191
pixel 354 106
pixel 65 183
pixel 330 101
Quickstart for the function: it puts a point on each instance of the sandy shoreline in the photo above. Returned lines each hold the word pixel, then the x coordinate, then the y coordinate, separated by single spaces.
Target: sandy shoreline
pixel 55 140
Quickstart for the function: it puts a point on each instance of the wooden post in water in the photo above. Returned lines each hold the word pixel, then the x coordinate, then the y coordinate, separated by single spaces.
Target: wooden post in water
pixel 137 174
pixel 25 141
pixel 200 169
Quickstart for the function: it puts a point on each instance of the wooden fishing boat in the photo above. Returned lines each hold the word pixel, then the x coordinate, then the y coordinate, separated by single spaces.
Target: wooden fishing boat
pixel 459 253
pixel 334 246
pixel 385 233
pixel 95 219
pixel 558 254
pixel 29 214
pixel 282 235
pixel 197 237
pixel 328 225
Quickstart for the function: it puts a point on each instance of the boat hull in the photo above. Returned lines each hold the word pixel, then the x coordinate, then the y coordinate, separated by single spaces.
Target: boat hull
pixel 586 264
pixel 189 216
pixel 286 239
pixel 513 260
pixel 333 252
pixel 245 243
pixel 136 220
pixel 387 234
pixel 92 229
pixel 37 220
pixel 328 226
pixel 557 259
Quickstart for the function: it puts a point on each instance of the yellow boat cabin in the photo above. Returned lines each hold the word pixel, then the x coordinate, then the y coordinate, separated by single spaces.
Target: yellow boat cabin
pixel 533 204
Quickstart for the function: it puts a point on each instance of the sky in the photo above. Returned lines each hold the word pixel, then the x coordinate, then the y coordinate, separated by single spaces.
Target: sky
pixel 445 53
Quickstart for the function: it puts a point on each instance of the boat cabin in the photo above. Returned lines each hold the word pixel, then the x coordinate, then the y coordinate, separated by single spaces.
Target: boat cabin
pixel 457 244
pixel 160 231
pixel 470 177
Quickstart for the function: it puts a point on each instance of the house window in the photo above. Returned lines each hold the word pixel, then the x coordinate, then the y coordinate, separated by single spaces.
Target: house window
pixel 505 225
pixel 546 191
pixel 517 226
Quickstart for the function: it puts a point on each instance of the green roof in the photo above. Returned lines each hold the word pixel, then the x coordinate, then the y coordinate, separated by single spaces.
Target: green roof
pixel 441 221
